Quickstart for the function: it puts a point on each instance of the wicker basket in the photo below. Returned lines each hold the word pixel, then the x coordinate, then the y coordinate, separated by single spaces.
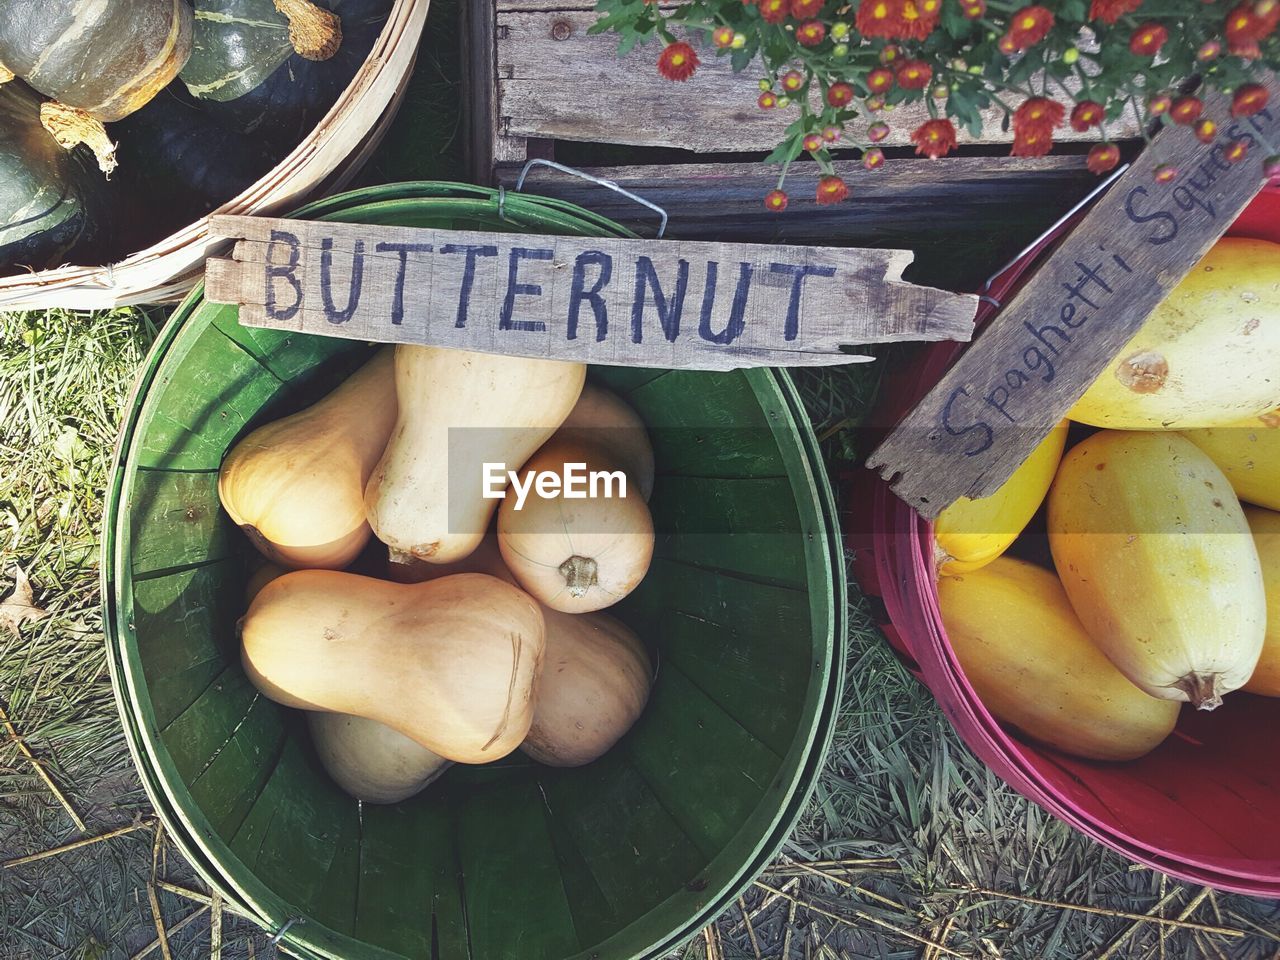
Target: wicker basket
pixel 328 159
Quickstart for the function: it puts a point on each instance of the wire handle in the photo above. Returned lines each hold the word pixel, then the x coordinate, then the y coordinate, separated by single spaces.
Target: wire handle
pixel 582 174
pixel 1088 199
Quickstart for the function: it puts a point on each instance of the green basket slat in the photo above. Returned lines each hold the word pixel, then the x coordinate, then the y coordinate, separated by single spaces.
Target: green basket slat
pixel 288 355
pixel 401 880
pixel 499 812
pixel 625 380
pixel 230 783
pixel 202 604
pixel 635 852
pixel 706 425
pixel 743 526
pixel 177 522
pixel 196 735
pixel 336 904
pixel 752 608
pixel 709 793
pixel 515 896
pixel 301 839
pixel 214 389
pixel 740 675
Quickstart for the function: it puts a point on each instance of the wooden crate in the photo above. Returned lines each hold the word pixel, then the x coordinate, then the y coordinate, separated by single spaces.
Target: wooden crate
pixel 537 77
pixel 539 86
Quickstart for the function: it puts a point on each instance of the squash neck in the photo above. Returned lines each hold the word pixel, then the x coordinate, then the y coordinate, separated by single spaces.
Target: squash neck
pixel 316 33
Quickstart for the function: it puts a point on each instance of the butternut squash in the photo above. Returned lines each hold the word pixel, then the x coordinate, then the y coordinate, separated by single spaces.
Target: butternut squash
pixel 451 663
pixel 1205 356
pixel 595 679
pixel 575 555
pixel 296 486
pixel 1265 525
pixel 371 761
pixel 603 418
pixel 969 534
pixel 457 412
pixel 1248 452
pixel 1155 553
pixel 1029 659
pixel 593 688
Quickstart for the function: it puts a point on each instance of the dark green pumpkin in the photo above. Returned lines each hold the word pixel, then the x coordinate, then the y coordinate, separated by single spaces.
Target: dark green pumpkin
pixel 180 164
pixel 52 201
pixel 107 59
pixel 245 70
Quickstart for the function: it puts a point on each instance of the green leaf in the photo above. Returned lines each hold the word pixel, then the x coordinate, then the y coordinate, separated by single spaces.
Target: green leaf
pixel 786 151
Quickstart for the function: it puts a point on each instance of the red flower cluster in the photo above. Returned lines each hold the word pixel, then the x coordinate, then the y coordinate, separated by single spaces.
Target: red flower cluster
pixel 934 138
pixel 839 94
pixel 1109 11
pixel 1033 124
pixel 804 9
pixel 898 19
pixel 1029 26
pixel 678 61
pixel 1245 27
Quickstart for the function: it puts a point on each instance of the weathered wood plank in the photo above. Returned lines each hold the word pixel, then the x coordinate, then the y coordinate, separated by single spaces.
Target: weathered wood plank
pixel 1074 314
pixel 689 304
pixel 544 50
pixel 964 216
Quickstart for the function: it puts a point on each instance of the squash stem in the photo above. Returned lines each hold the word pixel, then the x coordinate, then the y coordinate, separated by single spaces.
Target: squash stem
pixel 580 575
pixel 1202 690
pixel 316 33
pixel 72 127
pixel 5 74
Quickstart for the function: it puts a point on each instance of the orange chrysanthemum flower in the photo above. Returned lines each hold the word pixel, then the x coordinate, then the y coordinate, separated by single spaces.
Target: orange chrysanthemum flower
pixel 1109 11
pixel 1245 26
pixel 913 74
pixel 1102 157
pixel 1148 38
pixel 1032 142
pixel 1086 114
pixel 810 33
pixel 804 9
pixel 1029 26
pixel 1038 114
pixel 774 11
pixel 831 190
pixel 934 138
pixel 678 61
pixel 1236 151
pixel 898 19
pixel 873 158
pixel 1186 110
pixel 775 201
pixel 839 94
pixel 879 80
pixel 1249 99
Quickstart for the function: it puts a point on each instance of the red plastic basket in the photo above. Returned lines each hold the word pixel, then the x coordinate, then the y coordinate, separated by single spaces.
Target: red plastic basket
pixel 1205 805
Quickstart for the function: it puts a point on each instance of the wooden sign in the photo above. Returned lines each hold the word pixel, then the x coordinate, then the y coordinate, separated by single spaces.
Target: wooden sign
pixel 651 303
pixel 1074 315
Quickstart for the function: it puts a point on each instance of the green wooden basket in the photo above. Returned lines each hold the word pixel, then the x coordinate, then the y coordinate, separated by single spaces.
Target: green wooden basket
pixel 620 859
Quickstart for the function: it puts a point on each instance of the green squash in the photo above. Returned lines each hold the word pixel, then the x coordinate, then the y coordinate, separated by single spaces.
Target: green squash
pixel 99 60
pixel 237 44
pixel 53 204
